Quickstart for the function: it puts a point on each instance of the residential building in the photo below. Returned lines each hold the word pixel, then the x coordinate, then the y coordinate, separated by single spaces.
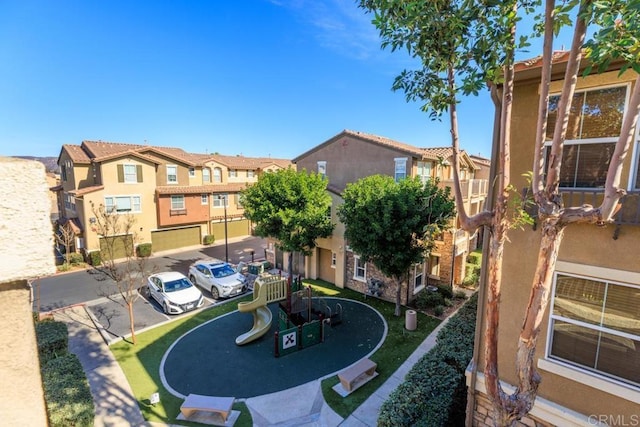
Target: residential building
pixel 176 197
pixel 349 156
pixel 588 350
pixel 26 254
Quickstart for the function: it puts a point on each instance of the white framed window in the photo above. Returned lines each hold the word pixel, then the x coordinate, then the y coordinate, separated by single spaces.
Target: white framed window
pixel 322 168
pixel 594 326
pixel 192 172
pixel 359 269
pixel 220 200
pixel 204 199
pixel 217 175
pixel 206 175
pixel 130 173
pixel 233 173
pixel 418 277
pixel 594 126
pixel 123 204
pixel 172 174
pixel 400 168
pixel 177 202
pixel 424 171
pixel 251 173
pixel 334 259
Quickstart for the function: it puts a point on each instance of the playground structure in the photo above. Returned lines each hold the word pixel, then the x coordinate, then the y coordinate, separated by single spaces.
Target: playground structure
pixel 301 318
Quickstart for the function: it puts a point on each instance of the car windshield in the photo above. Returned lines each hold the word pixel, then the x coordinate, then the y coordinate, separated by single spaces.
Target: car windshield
pixel 176 285
pixel 223 271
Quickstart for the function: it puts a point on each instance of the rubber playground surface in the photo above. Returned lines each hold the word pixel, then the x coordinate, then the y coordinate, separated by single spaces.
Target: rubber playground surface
pixel 207 361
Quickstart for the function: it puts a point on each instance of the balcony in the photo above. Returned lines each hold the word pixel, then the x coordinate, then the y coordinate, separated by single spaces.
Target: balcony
pixel 471 188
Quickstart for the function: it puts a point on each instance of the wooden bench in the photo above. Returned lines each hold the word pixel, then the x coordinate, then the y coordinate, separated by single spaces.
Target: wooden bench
pixel 357 374
pixel 197 402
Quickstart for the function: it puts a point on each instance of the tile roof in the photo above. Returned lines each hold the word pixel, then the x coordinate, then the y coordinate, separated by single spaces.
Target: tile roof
pixel 76 153
pixel 86 190
pixel 201 189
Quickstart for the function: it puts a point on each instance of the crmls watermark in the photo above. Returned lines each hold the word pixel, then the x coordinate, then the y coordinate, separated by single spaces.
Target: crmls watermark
pixel 615 420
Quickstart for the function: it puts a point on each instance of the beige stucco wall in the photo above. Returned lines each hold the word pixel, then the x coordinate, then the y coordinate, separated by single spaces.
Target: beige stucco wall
pixel 582 245
pixel 26 250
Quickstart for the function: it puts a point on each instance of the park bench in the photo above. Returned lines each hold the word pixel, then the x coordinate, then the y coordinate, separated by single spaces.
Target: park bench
pixel 199 403
pixel 357 374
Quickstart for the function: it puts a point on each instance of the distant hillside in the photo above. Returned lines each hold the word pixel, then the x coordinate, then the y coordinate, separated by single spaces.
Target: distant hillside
pixel 49 163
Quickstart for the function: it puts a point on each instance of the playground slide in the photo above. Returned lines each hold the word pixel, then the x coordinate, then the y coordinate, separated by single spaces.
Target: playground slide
pixel 261 317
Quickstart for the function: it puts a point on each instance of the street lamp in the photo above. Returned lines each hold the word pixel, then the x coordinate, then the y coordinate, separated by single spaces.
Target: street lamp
pixel 226 239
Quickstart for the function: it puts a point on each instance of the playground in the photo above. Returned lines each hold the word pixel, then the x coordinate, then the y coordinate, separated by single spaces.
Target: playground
pixel 207 360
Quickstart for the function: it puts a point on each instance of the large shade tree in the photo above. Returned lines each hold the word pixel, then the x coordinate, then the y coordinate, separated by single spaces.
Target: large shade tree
pixel 292 208
pixel 393 224
pixel 463 45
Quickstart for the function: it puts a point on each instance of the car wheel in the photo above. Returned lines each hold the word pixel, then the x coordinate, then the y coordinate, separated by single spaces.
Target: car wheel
pixel 214 293
pixel 165 308
pixel 192 278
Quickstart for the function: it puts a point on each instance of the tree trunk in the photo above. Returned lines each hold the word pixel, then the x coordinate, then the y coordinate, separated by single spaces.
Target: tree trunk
pixel 131 322
pixel 398 310
pixel 289 283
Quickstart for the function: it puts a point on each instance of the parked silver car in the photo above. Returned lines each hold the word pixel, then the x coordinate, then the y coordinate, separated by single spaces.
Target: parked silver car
pixel 174 292
pixel 219 277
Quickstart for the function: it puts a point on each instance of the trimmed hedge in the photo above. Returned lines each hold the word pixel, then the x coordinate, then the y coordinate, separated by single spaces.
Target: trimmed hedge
pixel 74 258
pixel 143 250
pixel 53 339
pixel 95 258
pixel 433 392
pixel 67 393
pixel 208 239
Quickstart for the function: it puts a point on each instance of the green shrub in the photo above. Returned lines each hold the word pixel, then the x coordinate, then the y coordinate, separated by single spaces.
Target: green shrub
pixel 428 299
pixel 67 394
pixel 473 275
pixel 434 392
pixel 448 302
pixel 208 239
pixel 474 258
pixel 53 339
pixel 95 258
pixel 64 267
pixel 460 295
pixel 438 310
pixel 445 290
pixel 143 250
pixel 74 258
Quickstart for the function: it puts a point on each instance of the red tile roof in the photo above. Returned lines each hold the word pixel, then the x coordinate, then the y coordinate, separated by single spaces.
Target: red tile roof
pixel 201 189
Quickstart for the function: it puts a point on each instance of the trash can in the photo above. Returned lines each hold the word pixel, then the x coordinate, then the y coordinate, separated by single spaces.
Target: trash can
pixel 411 320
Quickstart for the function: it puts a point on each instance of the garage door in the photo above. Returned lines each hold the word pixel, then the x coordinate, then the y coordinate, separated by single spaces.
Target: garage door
pixel 324 260
pixel 174 239
pixel 118 245
pixel 234 229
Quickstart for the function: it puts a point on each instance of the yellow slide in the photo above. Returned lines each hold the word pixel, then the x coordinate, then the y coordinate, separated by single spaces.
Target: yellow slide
pixel 265 290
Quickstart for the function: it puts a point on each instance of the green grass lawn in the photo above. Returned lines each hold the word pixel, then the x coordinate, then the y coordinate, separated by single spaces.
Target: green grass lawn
pixel 141 363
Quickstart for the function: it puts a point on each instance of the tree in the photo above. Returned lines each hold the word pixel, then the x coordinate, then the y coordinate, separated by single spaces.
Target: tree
pixel 392 224
pixel 290 207
pixel 65 236
pixel 463 45
pixel 119 261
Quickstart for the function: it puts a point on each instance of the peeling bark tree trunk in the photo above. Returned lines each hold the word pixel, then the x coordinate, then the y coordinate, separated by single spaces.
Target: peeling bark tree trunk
pixel 131 322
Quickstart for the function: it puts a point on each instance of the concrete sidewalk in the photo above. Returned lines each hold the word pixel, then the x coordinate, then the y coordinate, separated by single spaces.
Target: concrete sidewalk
pixel 115 404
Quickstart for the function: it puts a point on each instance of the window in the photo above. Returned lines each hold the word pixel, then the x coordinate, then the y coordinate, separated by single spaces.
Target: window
pixel 251 173
pixel 359 269
pixel 434 265
pixel 69 202
pixel 233 173
pixel 322 169
pixel 594 125
pixel 220 200
pixel 177 203
pixel 204 199
pixel 122 204
pixel 192 172
pixel 130 174
pixel 594 324
pixel 424 171
pixel 206 175
pixel 400 168
pixel 239 200
pixel 217 175
pixel 172 174
pixel 418 282
pixel 334 259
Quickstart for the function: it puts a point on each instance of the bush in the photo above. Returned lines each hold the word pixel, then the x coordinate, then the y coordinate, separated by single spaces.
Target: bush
pixel 74 258
pixel 445 290
pixel 208 239
pixel 67 394
pixel 143 250
pixel 460 295
pixel 428 299
pixel 53 339
pixel 434 392
pixel 473 275
pixel 95 258
pixel 474 258
pixel 438 310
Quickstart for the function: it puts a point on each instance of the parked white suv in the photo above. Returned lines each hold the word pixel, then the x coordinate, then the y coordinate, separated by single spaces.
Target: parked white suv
pixel 174 292
pixel 219 277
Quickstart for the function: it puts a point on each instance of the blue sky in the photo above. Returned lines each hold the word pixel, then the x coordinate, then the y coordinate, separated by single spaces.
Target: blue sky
pixel 258 78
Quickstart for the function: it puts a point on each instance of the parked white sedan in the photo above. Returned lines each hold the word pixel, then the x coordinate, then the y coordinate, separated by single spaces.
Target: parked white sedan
pixel 220 278
pixel 174 292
